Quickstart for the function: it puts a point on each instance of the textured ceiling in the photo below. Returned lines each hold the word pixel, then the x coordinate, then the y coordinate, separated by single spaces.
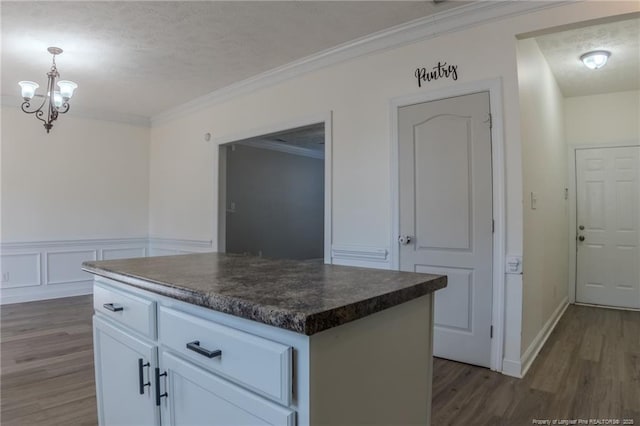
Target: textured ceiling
pixel 145 57
pixel 563 50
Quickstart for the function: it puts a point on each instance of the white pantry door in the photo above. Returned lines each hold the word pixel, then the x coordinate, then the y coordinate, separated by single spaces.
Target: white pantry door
pixel 446 211
pixel 608 210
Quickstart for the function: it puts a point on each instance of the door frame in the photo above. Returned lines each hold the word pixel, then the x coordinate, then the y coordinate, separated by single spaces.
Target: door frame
pixel 573 209
pixel 219 177
pixel 494 87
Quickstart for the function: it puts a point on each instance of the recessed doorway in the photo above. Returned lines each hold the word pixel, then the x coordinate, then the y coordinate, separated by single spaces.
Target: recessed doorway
pixel 273 194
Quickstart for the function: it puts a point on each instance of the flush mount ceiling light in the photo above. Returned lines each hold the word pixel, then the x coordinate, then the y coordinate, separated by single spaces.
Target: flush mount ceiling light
pixel 596 59
pixel 55 101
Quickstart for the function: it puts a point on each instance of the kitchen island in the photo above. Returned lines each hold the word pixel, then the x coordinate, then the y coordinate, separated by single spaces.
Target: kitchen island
pixel 227 339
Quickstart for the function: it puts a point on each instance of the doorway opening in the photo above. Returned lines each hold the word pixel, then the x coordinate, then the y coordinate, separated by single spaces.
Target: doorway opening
pixel 272 194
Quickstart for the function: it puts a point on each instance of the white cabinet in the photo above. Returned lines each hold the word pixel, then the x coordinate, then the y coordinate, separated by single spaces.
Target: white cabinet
pixel 123 366
pixel 172 379
pixel 197 397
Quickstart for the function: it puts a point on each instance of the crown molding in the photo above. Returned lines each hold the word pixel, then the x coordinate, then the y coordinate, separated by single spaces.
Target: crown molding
pixel 94 114
pixel 283 147
pixel 451 20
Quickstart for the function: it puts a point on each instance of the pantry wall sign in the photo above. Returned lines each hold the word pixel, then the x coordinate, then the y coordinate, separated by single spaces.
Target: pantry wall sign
pixel 441 70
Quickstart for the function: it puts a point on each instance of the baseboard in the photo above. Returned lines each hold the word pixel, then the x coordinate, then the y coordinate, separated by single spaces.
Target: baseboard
pixel 512 368
pixel 534 348
pixel 19 295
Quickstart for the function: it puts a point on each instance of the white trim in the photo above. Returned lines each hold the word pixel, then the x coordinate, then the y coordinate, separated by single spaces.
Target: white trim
pixel 538 342
pixel 194 244
pixel 45 293
pixel 456 19
pixel 573 209
pixel 284 147
pixel 370 254
pixel 304 121
pixel 512 368
pixel 67 243
pixel 494 87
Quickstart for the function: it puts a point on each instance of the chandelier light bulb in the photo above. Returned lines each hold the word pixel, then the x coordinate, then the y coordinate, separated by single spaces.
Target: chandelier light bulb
pixel 596 59
pixel 66 89
pixel 28 89
pixel 57 99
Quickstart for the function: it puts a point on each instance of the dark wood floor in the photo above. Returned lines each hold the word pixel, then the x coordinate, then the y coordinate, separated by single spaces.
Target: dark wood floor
pixel 46 356
pixel 589 369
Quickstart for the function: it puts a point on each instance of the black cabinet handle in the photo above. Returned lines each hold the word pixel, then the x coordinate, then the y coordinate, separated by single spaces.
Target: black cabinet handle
pixel 158 394
pixel 113 308
pixel 141 382
pixel 195 346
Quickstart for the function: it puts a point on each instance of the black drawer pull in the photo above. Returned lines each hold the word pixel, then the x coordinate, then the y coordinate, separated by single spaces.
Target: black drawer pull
pixel 195 346
pixel 159 395
pixel 113 308
pixel 141 383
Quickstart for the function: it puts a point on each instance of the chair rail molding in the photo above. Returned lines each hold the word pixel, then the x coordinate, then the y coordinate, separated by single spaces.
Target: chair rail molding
pixel 363 256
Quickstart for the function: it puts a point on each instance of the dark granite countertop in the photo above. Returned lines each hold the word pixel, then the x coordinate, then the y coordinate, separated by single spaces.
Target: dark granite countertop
pixel 303 296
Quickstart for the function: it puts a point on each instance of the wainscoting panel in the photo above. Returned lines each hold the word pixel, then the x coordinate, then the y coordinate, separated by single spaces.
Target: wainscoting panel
pixel 64 267
pixel 21 270
pixel 38 270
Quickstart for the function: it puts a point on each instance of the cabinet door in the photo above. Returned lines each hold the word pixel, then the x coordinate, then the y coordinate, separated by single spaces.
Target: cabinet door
pixel 117 355
pixel 197 397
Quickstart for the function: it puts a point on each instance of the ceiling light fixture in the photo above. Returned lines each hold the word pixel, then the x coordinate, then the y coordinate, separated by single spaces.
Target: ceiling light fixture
pixel 55 101
pixel 596 59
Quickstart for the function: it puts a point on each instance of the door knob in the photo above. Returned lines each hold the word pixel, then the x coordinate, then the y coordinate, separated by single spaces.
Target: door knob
pixel 581 227
pixel 581 238
pixel 404 239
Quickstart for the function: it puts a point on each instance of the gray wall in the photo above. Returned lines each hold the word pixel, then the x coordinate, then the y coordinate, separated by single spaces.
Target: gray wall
pixel 279 204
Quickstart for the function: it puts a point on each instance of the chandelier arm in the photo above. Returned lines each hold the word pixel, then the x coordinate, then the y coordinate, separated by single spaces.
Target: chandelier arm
pixel 64 108
pixel 27 104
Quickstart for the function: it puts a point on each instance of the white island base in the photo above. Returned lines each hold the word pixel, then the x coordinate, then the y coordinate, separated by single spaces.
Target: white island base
pixel 374 370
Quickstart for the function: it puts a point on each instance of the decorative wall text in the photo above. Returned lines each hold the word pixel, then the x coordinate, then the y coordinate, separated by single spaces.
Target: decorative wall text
pixel 442 70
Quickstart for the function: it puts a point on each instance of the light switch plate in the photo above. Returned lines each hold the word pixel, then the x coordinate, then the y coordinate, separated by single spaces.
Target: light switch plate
pixel 514 264
pixel 534 201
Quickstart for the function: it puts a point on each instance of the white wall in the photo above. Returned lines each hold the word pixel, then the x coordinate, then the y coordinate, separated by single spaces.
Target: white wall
pixel 86 179
pixel 610 118
pixel 278 203
pixel 546 224
pixel 184 182
pixel 78 193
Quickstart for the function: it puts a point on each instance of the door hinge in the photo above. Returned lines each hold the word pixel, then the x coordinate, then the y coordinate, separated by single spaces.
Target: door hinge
pixel 491 332
pixel 493 225
pixel 489 120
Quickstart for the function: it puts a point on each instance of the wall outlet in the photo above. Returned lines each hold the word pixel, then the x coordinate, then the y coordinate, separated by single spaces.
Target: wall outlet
pixel 5 277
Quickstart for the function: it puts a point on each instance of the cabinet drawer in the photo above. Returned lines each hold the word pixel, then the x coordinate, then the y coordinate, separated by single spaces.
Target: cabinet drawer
pixel 133 312
pixel 259 364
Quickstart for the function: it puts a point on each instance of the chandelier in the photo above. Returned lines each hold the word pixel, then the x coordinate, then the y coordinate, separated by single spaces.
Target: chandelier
pixel 55 101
